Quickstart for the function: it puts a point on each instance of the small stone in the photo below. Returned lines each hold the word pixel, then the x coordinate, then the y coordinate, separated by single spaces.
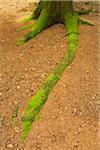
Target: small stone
pixel 3 40
pixel 0 75
pixel 38 136
pixel 54 47
pixel 62 46
pixel 10 145
pixel 25 69
pixel 1 7
pixel 64 85
pixel 16 130
pixel 75 110
pixel 18 87
pixel 21 54
pixel 60 112
pixel 87 71
pixel 15 103
pixel 98 102
pixel 93 97
pixel 69 67
pixel 44 74
pixel 0 94
pixel 66 108
pixel 61 108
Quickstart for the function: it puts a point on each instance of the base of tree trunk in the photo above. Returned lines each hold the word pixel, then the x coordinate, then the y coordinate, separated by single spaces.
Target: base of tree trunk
pixel 47 14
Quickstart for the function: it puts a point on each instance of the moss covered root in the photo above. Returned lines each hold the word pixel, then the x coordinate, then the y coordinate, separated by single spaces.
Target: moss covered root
pixel 37 102
pixel 48 13
pixel 35 105
pixel 42 22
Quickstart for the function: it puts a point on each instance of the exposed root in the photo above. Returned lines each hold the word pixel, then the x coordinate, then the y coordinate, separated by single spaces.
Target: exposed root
pixel 42 22
pixel 26 19
pixel 29 26
pixel 84 22
pixel 71 25
pixel 37 102
pixel 35 105
pixel 33 16
pixel 84 12
pixel 46 18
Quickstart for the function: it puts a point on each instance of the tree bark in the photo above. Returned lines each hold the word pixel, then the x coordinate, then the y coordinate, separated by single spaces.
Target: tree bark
pixel 57 9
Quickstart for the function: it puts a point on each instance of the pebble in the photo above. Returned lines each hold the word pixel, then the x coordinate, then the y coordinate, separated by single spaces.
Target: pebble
pixel 75 110
pixel 98 102
pixel 1 7
pixel 87 71
pixel 0 94
pixel 93 97
pixel 38 136
pixel 54 47
pixel 9 145
pixel 25 69
pixel 16 130
pixel 61 108
pixel 62 46
pixel 60 112
pixel 18 87
pixel 15 102
pixel 0 75
pixel 69 67
pixel 21 54
pixel 64 85
pixel 3 40
pixel 66 108
pixel 44 74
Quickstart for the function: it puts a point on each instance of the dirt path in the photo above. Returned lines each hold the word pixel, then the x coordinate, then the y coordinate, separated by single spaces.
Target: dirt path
pixel 69 120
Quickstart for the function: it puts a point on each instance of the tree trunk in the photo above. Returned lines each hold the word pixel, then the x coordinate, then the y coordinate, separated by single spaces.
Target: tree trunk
pixel 57 9
pixel 47 13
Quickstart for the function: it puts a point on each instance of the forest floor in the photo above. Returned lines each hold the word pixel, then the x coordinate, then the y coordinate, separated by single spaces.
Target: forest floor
pixel 70 117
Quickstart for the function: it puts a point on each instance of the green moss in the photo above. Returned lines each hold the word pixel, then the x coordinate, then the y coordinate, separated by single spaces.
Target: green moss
pixel 25 27
pixel 27 19
pixel 42 22
pixel 37 102
pixel 48 13
pixel 26 126
pixel 35 105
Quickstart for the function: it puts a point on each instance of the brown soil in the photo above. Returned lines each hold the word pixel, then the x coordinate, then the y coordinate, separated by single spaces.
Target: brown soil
pixel 69 119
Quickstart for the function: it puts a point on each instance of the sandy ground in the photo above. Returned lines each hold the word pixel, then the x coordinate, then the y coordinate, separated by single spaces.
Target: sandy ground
pixel 70 117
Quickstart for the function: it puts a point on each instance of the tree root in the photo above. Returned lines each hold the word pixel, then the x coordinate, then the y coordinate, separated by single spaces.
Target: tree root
pixel 42 22
pixel 26 19
pixel 84 12
pixel 37 102
pixel 83 22
pixel 71 21
pixel 29 26
pixel 33 16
